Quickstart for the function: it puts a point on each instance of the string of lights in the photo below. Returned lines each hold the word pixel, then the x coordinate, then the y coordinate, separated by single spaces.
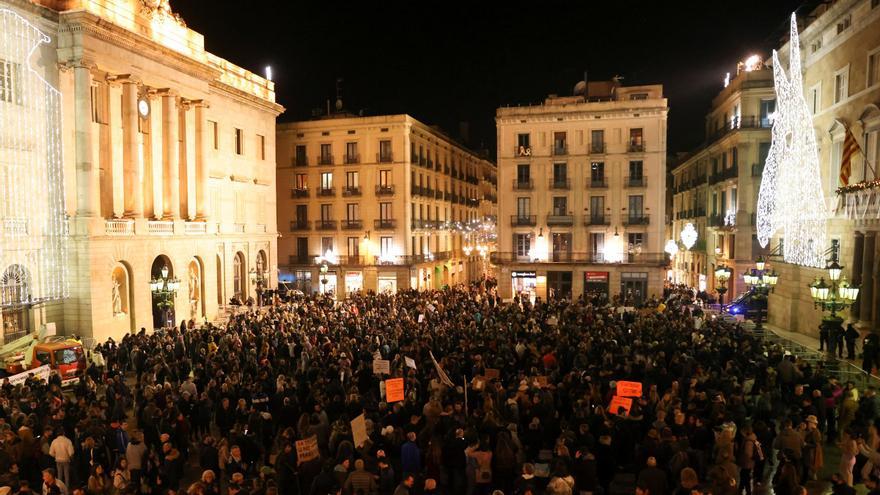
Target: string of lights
pixel 33 232
pixel 790 199
pixel 858 186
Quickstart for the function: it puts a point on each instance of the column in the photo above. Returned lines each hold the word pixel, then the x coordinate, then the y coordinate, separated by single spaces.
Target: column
pixel 131 156
pixel 202 166
pixel 866 296
pixel 115 152
pixel 858 254
pixel 87 177
pixel 876 322
pixel 186 144
pixel 170 157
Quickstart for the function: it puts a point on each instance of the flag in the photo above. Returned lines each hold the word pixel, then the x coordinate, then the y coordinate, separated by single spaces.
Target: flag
pixel 850 148
pixel 444 378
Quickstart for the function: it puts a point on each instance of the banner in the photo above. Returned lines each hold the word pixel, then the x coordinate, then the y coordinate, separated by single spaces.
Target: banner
pixel 444 378
pixel 492 373
pixel 359 430
pixel 410 362
pixel 42 373
pixel 381 366
pixel 307 449
pixel 394 390
pixel 618 402
pixel 629 389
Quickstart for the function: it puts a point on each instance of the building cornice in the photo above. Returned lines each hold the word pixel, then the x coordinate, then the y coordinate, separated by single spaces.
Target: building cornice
pixel 243 97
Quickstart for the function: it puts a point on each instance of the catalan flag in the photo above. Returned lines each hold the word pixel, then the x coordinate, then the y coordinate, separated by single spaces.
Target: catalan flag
pixel 850 148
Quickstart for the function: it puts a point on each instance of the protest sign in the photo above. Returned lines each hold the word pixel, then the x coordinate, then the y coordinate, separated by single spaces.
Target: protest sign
pixel 381 366
pixel 410 362
pixel 629 389
pixel 307 449
pixel 394 390
pixel 618 402
pixel 359 430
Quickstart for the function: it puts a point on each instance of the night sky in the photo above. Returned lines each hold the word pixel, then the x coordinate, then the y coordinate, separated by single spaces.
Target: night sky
pixel 448 62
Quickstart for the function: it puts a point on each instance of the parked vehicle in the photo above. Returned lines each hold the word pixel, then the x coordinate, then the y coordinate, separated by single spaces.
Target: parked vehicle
pixel 63 354
pixel 750 304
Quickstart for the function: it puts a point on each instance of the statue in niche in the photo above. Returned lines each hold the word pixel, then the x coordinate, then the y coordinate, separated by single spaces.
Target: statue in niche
pixel 117 298
pixel 194 291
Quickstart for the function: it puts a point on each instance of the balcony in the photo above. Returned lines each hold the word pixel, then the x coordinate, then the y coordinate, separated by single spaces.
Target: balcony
pixel 111 227
pixel 637 219
pixel 299 192
pixel 349 191
pixel 438 194
pixel 416 190
pixel 596 220
pixel 725 174
pixel 300 225
pixel 447 196
pixel 300 259
pixel 384 157
pixel 597 148
pixel 385 224
pixel 325 225
pixel 560 149
pixel 597 258
pixel 325 160
pixel 634 147
pixel 523 220
pixel 597 182
pixel 352 224
pixel 326 191
pixel 418 224
pixel 560 183
pixel 715 221
pixel 523 185
pixel 446 169
pixel 560 220
pixel 430 164
pixel 428 192
pixel 632 181
pixel 386 190
pixel 160 227
pixel 196 228
pixel 301 161
pixel 352 159
pixel 747 122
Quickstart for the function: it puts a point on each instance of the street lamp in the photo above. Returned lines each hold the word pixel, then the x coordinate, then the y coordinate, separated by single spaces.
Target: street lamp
pixel 258 278
pixel 835 296
pixel 324 280
pixel 722 275
pixel 164 289
pixel 762 281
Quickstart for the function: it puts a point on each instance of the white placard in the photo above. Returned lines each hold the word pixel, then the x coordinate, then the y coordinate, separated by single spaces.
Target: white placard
pixel 381 366
pixel 42 373
pixel 50 329
pixel 410 362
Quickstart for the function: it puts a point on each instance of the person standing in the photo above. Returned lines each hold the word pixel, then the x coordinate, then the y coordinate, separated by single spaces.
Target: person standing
pixel 61 449
pixel 850 336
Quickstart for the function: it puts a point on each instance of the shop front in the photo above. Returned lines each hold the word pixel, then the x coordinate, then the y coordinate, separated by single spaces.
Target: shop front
pixel 633 287
pixel 558 285
pixel 328 283
pixel 354 281
pixel 386 282
pixel 524 284
pixel 596 285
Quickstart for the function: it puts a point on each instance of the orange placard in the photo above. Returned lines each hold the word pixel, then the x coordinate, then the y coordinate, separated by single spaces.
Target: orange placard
pixel 492 373
pixel 629 389
pixel 394 390
pixel 618 402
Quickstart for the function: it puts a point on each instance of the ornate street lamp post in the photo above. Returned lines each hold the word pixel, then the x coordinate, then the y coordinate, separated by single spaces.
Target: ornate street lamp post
pixel 164 289
pixel 834 296
pixel 761 280
pixel 324 277
pixel 259 278
pixel 722 275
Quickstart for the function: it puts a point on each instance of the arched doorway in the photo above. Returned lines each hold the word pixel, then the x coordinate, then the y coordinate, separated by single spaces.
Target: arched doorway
pixel 121 296
pixel 239 277
pixel 163 303
pixel 15 298
pixel 196 288
pixel 220 300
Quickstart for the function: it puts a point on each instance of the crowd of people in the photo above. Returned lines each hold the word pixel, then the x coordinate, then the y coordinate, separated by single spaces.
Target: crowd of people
pixel 499 398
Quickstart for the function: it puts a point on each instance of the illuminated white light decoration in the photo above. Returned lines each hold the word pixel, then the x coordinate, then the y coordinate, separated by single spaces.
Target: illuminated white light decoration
pixel 268 72
pixel 33 225
pixel 752 63
pixel 540 251
pixel 688 236
pixel 614 249
pixel 671 247
pixel 727 79
pixel 730 218
pixel 790 199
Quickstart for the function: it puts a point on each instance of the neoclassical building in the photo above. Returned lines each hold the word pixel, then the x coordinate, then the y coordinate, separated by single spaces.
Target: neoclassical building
pixel 168 162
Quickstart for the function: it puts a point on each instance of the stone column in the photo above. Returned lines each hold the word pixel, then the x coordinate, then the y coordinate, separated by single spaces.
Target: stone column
pixel 131 156
pixel 115 152
pixel 184 178
pixel 87 176
pixel 876 322
pixel 866 296
pixel 202 166
pixel 170 157
pixel 858 254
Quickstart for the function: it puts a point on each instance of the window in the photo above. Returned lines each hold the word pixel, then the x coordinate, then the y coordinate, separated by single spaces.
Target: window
pixel 522 244
pixel 352 180
pixel 354 246
pixel 560 205
pixel 352 212
pixel 523 173
pixel 815 98
pixel 874 67
pixel 844 24
pixel 385 150
pixel 638 96
pixel 239 141
pixel 767 109
pixel 523 207
pixel 559 143
pixel 261 142
pixel 10 81
pixel 327 180
pixel 635 171
pixel 302 214
pixel 326 245
pixel 302 181
pixel 351 153
pixel 384 178
pixel 326 212
pixel 841 85
pixel 734 156
pixel 636 206
pixel 635 239
pixel 635 138
pixel 597 141
pixel 597 244
pixel 560 173
pixel 301 158
pixel 523 140
pixel 385 246
pixel 326 157
pixel 99 103
pixel 714 203
pixel 215 141
pixel 816 46
pixel 597 173
pixel 597 207
pixel 385 211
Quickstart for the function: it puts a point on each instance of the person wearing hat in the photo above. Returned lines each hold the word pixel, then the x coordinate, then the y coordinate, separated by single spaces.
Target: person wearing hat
pixel 813 455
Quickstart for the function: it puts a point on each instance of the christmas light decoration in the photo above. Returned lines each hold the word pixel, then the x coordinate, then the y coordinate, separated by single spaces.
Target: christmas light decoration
pixel 688 235
pixel 33 226
pixel 671 247
pixel 614 249
pixel 790 199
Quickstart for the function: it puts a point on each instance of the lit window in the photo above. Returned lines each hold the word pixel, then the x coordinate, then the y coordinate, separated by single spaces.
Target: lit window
pixel 10 81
